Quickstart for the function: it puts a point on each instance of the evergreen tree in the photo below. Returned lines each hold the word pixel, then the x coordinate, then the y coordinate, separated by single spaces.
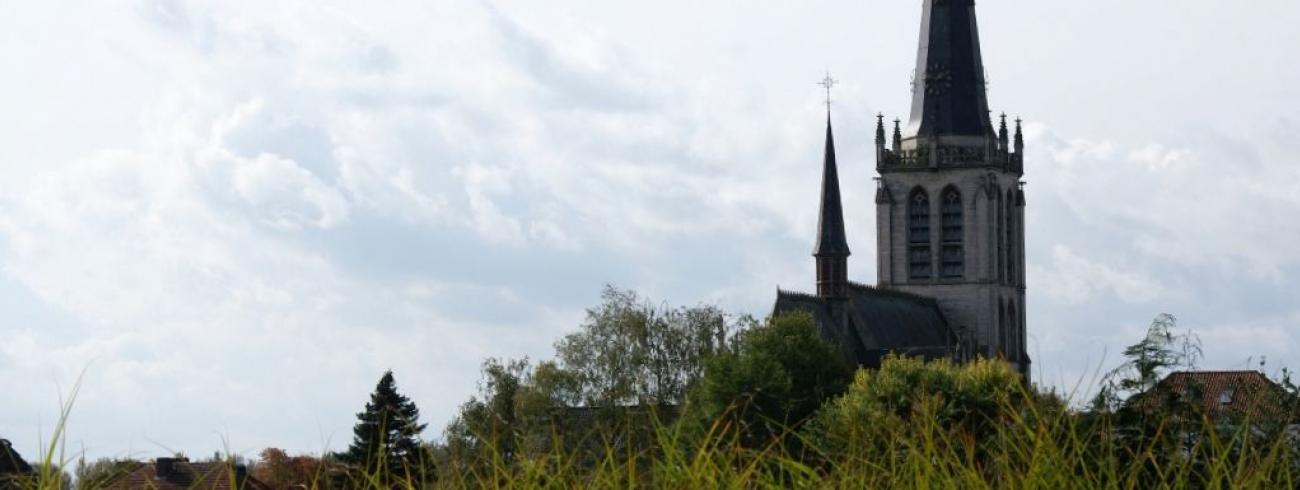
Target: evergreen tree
pixel 386 440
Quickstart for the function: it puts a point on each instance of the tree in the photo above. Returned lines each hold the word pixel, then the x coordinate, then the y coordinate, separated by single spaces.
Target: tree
pixel 631 352
pixel 278 470
pixel 100 472
pixel 631 361
pixel 386 438
pixel 489 424
pixel 774 381
pixel 1147 362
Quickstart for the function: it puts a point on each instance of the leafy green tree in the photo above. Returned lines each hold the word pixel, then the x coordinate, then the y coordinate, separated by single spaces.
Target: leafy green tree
pixel 776 378
pixel 631 352
pixel 1160 351
pixel 489 424
pixel 386 438
pixel 631 361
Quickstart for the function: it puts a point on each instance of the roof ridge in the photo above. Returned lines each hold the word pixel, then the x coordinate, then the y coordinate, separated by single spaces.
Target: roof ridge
pixel 1221 371
pixel 893 292
pixel 797 294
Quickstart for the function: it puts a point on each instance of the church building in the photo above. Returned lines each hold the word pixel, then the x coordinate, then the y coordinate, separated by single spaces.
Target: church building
pixel 949 220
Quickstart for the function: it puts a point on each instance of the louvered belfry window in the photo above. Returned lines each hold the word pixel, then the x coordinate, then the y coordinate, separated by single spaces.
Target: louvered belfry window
pixel 918 233
pixel 954 259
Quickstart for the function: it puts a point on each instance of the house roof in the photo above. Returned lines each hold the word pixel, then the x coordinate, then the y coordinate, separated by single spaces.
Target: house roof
pixel 186 475
pixel 1237 393
pixel 10 461
pixel 873 322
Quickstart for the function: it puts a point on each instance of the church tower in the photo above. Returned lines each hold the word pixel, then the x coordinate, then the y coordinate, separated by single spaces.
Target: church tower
pixel 950 202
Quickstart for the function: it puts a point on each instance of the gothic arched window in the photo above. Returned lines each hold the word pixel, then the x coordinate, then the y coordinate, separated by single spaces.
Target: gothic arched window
pixel 918 235
pixel 954 258
pixel 1001 333
pixel 1013 345
pixel 1011 237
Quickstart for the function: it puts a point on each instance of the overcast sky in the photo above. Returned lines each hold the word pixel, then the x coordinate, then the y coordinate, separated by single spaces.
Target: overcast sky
pixel 234 216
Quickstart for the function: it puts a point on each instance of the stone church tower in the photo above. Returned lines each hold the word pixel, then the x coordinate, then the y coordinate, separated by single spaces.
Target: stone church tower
pixel 949 202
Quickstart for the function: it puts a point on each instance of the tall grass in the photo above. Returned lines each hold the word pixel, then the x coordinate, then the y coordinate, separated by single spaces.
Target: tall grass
pixel 1032 444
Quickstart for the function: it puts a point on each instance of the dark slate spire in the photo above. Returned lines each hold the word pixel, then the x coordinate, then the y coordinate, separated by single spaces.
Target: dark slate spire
pixel 948 93
pixel 831 241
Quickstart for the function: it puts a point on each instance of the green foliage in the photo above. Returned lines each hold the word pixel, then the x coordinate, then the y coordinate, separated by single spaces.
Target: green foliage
pixel 631 352
pixel 975 398
pixel 97 473
pixel 1147 362
pixel 603 392
pixel 386 436
pixel 775 379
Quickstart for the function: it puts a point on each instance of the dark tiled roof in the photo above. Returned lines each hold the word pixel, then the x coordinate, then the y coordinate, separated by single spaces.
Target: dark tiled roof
pixel 187 475
pixel 1232 393
pixel 873 322
pixel 11 463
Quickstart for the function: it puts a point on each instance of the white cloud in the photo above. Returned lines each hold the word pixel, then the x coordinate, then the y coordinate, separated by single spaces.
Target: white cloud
pixel 1072 279
pixel 253 210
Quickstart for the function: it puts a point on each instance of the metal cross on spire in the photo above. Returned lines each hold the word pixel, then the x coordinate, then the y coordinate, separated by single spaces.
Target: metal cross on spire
pixel 827 83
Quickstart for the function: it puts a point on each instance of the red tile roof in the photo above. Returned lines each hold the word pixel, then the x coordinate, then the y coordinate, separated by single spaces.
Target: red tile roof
pixel 1234 393
pixel 187 475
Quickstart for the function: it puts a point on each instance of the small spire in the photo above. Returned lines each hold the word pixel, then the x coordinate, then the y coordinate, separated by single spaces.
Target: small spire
pixel 1020 138
pixel 880 130
pixel 1002 133
pixel 898 134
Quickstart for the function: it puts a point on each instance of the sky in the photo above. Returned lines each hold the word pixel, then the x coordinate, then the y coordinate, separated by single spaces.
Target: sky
pixel 223 221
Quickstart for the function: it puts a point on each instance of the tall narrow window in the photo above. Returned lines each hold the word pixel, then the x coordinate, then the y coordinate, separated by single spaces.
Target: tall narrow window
pixel 918 235
pixel 954 258
pixel 1011 238
pixel 1013 344
pixel 1001 347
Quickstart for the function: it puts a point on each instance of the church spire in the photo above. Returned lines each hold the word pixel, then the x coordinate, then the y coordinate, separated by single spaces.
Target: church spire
pixel 948 91
pixel 831 239
pixel 832 250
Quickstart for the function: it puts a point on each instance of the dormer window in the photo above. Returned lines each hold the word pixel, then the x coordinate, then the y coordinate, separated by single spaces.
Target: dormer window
pixel 1225 396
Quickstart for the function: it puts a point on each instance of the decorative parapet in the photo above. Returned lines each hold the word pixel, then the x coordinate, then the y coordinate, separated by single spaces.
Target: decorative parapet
pixel 946 156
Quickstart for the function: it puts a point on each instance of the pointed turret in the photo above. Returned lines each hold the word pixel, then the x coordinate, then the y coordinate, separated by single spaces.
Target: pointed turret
pixel 880 131
pixel 832 250
pixel 1002 135
pixel 831 240
pixel 898 135
pixel 1020 139
pixel 949 96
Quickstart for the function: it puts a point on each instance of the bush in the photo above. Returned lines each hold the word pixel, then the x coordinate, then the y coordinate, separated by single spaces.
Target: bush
pixel 776 379
pixel 975 398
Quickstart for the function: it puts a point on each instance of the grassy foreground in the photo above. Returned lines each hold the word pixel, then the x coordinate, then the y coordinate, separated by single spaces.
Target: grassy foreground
pixel 910 425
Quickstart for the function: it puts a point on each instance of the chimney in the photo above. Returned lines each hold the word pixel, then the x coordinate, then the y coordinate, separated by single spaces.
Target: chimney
pixel 164 468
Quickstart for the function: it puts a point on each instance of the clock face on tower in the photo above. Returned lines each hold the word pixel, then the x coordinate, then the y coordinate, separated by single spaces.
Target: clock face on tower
pixel 938 79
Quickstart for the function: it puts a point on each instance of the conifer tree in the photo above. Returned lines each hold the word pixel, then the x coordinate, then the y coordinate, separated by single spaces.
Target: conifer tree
pixel 386 437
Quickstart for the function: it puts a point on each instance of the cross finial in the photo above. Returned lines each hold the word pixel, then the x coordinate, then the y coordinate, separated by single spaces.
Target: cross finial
pixel 827 83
